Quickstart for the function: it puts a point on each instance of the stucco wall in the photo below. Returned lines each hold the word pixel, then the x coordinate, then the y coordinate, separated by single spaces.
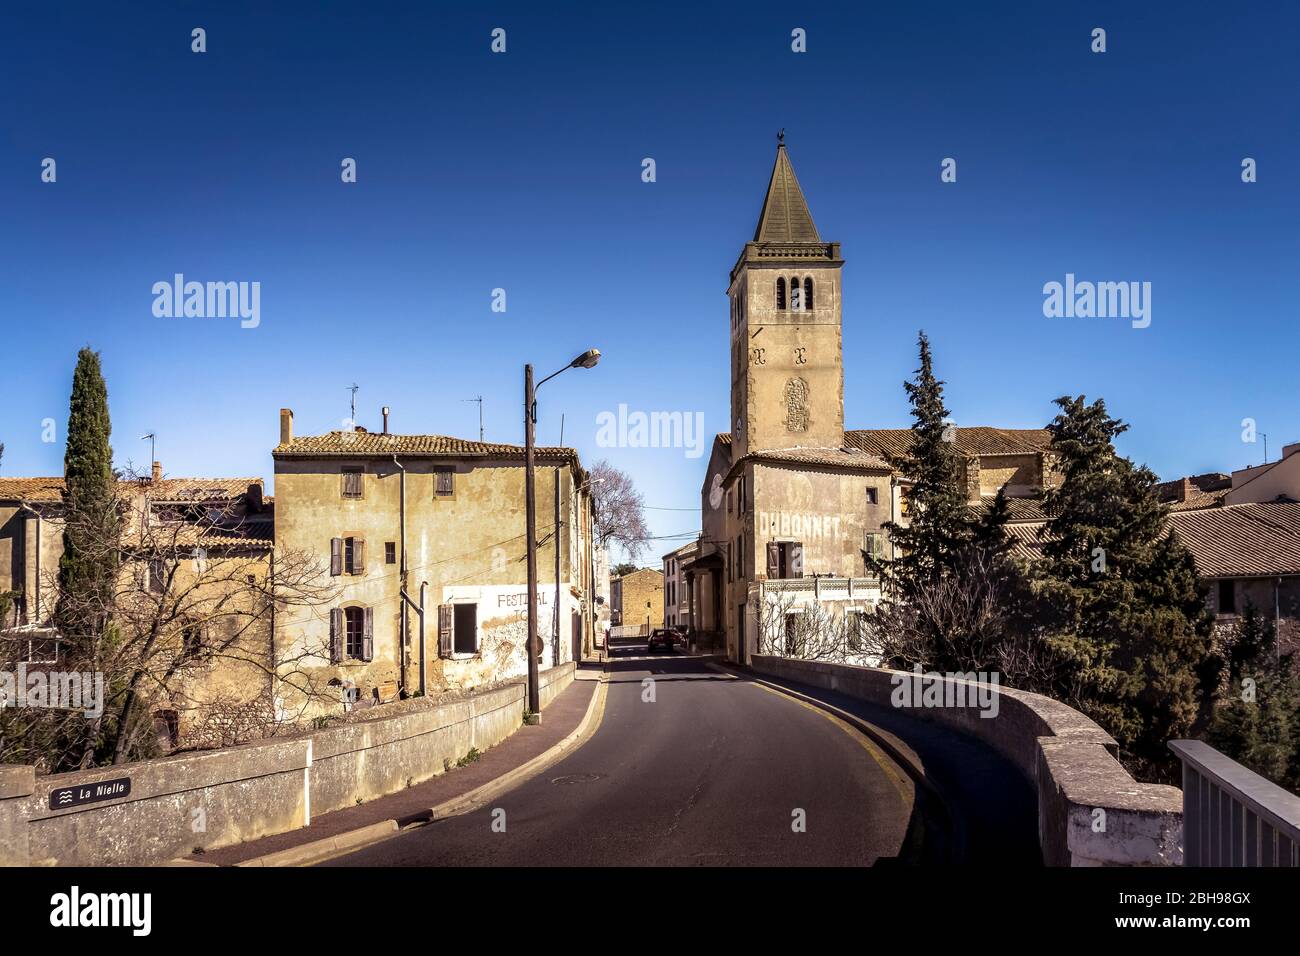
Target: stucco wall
pixel 1066 756
pixel 468 546
pixel 219 797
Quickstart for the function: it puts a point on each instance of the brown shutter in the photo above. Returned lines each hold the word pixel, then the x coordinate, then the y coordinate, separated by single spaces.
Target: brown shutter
pixel 336 556
pixel 773 559
pixel 358 555
pixel 796 560
pixel 731 564
pixel 444 630
pixel 336 635
pixel 368 636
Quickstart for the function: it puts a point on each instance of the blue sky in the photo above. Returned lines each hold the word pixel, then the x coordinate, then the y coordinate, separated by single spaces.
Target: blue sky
pixel 523 171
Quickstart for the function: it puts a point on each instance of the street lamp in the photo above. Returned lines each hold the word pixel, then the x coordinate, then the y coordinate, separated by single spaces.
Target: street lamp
pixel 586 360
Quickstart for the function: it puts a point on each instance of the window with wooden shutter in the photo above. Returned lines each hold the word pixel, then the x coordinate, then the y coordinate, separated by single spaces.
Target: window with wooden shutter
pixel 773 559
pixel 731 564
pixel 368 636
pixel 336 556
pixel 444 482
pixel 352 481
pixel 336 635
pixel 444 630
pixel 796 560
pixel 358 556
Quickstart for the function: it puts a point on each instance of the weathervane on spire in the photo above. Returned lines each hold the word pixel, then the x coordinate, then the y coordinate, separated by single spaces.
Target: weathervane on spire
pixel 780 137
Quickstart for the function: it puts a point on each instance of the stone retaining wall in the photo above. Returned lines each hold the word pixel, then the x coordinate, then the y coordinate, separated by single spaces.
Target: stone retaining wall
pixel 218 797
pixel 1091 812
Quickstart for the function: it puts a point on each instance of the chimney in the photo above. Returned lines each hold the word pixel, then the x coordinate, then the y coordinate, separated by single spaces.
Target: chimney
pixel 157 471
pixel 286 425
pixel 385 419
pixel 1291 449
pixel 253 497
pixel 1187 490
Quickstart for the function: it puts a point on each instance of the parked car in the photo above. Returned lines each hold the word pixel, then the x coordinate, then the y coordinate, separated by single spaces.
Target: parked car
pixel 663 637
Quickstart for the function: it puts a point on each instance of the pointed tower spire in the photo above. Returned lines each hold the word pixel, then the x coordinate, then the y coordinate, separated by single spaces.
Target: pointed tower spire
pixel 785 216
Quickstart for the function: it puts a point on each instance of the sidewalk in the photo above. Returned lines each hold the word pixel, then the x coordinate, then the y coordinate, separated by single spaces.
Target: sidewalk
pixel 414 804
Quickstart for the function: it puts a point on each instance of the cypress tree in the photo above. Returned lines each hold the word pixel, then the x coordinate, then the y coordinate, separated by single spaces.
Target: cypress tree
pixel 90 537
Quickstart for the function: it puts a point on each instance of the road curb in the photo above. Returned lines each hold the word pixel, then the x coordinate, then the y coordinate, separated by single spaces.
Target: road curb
pixel 320 850
pixel 475 798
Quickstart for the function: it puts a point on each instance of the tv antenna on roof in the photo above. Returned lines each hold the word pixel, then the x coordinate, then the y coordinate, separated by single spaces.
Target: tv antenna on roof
pixel 151 437
pixel 479 399
pixel 353 388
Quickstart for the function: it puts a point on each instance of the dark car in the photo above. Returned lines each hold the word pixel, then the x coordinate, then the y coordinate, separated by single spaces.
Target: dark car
pixel 663 637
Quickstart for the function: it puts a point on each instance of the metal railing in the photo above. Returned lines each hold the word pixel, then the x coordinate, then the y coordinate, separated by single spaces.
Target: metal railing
pixel 630 630
pixel 1231 815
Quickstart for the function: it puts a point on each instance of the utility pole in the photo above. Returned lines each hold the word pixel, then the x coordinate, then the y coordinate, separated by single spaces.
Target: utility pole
pixel 555 640
pixel 586 360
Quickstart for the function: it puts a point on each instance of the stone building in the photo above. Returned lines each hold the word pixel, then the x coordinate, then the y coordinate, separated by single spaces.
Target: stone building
pixel 637 600
pixel 196 558
pixel 408 520
pixel 792 503
pixel 676 609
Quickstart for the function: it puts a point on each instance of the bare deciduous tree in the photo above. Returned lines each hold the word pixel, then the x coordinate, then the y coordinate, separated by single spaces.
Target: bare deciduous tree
pixel 619 510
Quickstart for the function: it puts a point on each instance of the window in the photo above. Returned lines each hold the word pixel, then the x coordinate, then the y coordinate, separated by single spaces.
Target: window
pixel 740 556
pixel 352 481
pixel 351 634
pixel 780 292
pixel 390 552
pixel 347 556
pixel 465 628
pixel 784 559
pixel 794 634
pixel 443 482
pixel 157 575
pixel 873 547
pixel 796 295
pixel 856 627
pixel 807 292
pixel 731 567
pixel 191 641
pixel 873 496
pixel 355 621
pixel 1227 596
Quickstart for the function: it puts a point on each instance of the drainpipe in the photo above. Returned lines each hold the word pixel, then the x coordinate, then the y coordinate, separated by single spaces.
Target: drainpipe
pixel 26 507
pixel 401 639
pixel 555 636
pixel 1277 618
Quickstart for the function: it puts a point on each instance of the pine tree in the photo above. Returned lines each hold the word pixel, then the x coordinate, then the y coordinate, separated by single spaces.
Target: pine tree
pixel 90 538
pixel 1128 621
pixel 940 526
pixel 946 555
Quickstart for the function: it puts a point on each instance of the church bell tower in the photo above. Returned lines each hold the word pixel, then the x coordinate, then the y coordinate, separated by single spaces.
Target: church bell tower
pixel 787 369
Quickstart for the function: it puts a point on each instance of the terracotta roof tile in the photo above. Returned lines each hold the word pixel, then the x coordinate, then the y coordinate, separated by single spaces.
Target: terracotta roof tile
pixel 351 444
pixel 972 440
pixel 167 489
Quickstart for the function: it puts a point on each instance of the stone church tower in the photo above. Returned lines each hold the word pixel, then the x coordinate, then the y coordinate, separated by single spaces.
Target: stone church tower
pixel 787 371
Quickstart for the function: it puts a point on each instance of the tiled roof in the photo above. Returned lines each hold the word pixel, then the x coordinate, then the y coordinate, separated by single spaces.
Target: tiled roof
pixel 1195 491
pixel 839 457
pixel 972 440
pixel 1232 541
pixel 31 489
pixel 1018 509
pixel 166 489
pixel 351 444
pixel 1245 540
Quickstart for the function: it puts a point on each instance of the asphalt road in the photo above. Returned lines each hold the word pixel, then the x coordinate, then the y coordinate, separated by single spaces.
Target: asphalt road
pixel 714 771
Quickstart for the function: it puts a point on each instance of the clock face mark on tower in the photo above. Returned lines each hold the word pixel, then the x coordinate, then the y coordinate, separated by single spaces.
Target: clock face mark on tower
pixel 796 405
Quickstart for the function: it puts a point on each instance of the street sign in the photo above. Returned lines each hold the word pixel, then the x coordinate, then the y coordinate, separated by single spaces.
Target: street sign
pixel 76 796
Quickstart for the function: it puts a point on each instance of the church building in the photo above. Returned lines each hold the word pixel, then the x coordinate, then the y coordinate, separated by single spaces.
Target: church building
pixel 792 503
